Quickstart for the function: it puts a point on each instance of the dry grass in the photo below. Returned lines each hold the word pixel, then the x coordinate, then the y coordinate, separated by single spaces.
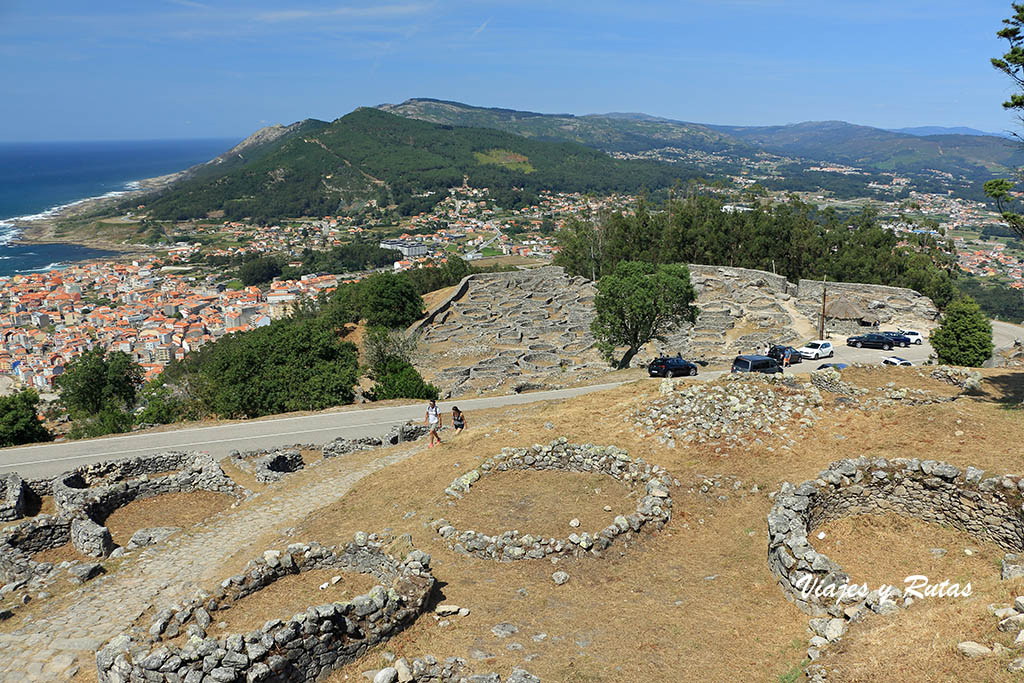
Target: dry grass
pixel 542 503
pixel 695 599
pixel 171 509
pixel 879 377
pixel 57 555
pixel 907 544
pixel 287 596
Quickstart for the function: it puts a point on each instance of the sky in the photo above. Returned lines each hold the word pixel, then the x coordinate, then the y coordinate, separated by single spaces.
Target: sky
pixel 156 69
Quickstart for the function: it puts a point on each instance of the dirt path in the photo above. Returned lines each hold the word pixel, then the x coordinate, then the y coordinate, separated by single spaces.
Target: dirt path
pixel 55 645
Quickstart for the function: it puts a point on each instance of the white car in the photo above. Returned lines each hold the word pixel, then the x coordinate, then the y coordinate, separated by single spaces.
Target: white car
pixel 819 348
pixel 897 361
pixel 914 337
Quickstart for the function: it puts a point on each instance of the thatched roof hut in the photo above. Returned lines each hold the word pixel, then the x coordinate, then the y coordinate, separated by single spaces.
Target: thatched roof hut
pixel 844 309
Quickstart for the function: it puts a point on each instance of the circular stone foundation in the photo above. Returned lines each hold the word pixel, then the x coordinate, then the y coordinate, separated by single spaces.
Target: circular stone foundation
pixel 94 491
pixel 987 508
pixel 653 511
pixel 304 648
pixel 20 542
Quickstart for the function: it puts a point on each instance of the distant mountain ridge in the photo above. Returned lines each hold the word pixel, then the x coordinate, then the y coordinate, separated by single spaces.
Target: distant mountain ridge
pixel 945 130
pixel 975 157
pixel 370 158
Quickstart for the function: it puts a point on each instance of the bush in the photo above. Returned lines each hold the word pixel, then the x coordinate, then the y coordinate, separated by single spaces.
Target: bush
pixel 402 380
pixel 19 421
pixel 388 300
pixel 382 346
pixel 965 336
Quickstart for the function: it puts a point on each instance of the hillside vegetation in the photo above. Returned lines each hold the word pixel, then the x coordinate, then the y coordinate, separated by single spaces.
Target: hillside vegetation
pixel 976 157
pixel 372 157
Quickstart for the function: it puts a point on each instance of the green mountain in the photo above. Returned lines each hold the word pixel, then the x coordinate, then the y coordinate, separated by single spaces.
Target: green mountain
pixel 608 132
pixel 372 157
pixel 976 157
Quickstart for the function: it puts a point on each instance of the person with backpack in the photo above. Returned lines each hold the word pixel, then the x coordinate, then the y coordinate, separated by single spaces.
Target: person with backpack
pixel 458 420
pixel 433 420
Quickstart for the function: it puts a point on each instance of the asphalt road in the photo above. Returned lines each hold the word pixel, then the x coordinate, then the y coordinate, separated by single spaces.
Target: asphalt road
pixel 48 460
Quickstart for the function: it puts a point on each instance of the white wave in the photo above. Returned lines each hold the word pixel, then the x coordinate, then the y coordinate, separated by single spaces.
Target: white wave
pixel 56 265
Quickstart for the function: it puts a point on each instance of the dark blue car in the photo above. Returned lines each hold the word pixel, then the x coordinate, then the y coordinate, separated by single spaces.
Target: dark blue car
pixel 671 366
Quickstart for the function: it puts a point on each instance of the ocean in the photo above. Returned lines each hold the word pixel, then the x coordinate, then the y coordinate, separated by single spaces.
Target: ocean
pixel 38 178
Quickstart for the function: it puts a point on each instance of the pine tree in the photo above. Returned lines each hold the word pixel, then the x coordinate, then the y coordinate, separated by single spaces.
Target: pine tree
pixel 965 336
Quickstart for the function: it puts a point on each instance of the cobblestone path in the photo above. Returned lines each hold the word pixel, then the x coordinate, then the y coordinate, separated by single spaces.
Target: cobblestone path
pixel 55 645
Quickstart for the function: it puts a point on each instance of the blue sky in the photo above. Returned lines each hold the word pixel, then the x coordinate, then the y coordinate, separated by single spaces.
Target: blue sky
pixel 72 70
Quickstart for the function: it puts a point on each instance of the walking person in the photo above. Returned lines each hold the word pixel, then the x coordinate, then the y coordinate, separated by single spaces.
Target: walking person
pixel 458 420
pixel 433 420
pixel 786 355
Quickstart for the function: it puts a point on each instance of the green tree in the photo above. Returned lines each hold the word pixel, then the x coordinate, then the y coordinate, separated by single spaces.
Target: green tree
pixel 382 346
pixel 259 271
pixel 389 300
pixel 638 302
pixel 98 380
pixel 401 380
pixel 19 419
pixel 965 335
pixel 159 405
pixel 1012 65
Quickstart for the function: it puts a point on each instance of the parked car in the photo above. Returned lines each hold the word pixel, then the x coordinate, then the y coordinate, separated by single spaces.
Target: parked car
pixel 897 361
pixel 671 366
pixel 778 352
pixel 872 340
pixel 913 336
pixel 762 364
pixel 837 366
pixel 898 338
pixel 819 348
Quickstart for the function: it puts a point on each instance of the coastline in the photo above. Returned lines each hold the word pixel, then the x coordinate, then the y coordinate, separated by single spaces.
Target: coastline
pixel 41 229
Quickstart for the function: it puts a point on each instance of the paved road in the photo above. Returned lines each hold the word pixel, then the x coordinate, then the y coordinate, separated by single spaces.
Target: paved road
pixel 47 460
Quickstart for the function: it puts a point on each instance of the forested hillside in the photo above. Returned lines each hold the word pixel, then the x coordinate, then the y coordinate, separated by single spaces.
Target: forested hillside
pixel 370 157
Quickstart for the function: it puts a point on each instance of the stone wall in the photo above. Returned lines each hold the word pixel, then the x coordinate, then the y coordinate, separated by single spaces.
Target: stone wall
pixel 653 511
pixel 985 507
pixel 12 497
pixel 94 491
pixel 18 543
pixel 269 466
pixel 531 329
pixel 304 648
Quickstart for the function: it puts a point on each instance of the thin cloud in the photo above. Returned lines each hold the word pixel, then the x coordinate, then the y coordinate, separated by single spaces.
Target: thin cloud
pixel 479 29
pixel 354 12
pixel 189 3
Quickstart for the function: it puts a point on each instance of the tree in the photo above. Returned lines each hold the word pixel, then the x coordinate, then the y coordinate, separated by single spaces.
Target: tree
pixel 965 335
pixel 1012 65
pixel 97 380
pixel 401 380
pixel 638 302
pixel 19 420
pixel 389 300
pixel 259 271
pixel 382 346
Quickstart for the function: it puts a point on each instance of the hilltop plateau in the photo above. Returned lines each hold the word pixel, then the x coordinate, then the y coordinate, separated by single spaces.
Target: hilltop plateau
pixel 645 606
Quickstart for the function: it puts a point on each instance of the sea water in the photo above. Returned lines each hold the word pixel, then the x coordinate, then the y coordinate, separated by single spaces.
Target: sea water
pixel 39 178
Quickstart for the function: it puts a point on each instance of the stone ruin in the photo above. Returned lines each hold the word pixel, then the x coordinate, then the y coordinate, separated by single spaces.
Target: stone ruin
pixel 306 647
pixel 531 329
pixel 268 466
pixel 653 511
pixel 12 497
pixel 986 507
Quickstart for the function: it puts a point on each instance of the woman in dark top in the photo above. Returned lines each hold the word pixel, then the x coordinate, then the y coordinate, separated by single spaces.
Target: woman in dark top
pixel 458 420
